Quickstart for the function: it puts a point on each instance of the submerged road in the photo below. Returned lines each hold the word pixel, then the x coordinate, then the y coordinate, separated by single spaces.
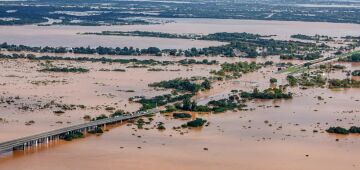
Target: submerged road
pixel 45 137
pixel 315 63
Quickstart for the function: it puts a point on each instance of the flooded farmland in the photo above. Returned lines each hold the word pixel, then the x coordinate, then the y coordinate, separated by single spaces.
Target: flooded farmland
pixel 67 35
pixel 268 134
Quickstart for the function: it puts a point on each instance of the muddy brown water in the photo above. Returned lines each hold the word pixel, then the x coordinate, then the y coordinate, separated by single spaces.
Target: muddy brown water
pixel 233 140
pixel 272 134
pixel 67 35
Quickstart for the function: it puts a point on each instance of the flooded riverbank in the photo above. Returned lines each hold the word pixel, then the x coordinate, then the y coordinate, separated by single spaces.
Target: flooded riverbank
pixel 275 135
pixel 233 139
pixel 267 134
pixel 67 35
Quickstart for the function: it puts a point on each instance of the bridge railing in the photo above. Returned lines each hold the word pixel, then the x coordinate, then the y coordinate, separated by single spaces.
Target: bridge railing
pixel 20 141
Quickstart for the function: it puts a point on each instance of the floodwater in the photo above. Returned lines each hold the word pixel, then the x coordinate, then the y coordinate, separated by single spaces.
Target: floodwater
pixel 67 35
pixel 96 90
pixel 233 139
pixel 282 29
pixel 272 134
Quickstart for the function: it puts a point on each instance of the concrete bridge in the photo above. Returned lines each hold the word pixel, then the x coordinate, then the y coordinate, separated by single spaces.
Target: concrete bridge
pixel 45 137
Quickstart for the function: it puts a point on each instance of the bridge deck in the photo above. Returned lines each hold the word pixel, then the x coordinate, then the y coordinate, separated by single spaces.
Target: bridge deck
pixel 9 145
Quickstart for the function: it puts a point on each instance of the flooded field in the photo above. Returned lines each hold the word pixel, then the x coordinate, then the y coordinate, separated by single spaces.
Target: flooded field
pixel 95 90
pixel 67 35
pixel 268 134
pixel 234 139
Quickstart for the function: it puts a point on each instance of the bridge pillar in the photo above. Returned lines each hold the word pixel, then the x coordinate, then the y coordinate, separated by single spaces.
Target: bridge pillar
pixel 19 148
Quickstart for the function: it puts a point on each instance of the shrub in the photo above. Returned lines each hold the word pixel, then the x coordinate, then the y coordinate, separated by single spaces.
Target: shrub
pixel 73 135
pixel 270 93
pixel 100 117
pixel 65 70
pixel 356 73
pixel 198 122
pixel 337 130
pixel 354 129
pixel 292 80
pixel 273 80
pixel 181 115
pixel 96 130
